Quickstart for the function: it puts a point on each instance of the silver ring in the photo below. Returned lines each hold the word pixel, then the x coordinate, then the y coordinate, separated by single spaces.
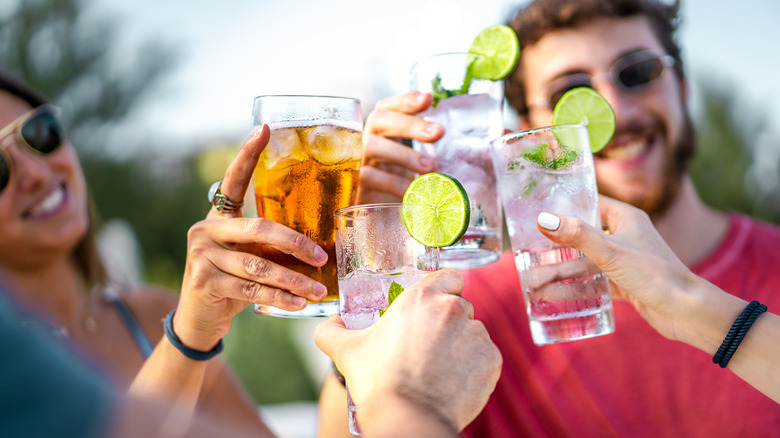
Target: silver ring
pixel 220 201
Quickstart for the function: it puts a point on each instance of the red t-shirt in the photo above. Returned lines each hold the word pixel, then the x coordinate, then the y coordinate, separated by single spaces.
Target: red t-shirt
pixel 634 382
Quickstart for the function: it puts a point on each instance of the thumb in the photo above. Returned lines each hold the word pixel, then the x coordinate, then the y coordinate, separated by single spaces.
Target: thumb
pixel 573 233
pixel 331 334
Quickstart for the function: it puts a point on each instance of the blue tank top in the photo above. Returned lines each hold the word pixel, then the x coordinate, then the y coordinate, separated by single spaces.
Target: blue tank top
pixel 132 324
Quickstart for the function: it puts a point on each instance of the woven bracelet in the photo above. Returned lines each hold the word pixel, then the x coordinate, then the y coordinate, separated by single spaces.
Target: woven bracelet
pixel 185 350
pixel 737 333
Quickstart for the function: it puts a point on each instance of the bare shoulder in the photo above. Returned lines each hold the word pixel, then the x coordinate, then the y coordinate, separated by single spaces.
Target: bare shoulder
pixel 149 304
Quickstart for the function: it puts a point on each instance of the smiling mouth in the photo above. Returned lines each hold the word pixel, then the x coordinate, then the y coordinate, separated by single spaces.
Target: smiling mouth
pixel 49 204
pixel 627 150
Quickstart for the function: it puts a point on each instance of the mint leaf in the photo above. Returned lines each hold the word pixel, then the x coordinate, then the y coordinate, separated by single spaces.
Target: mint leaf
pixel 548 158
pixel 464 88
pixel 392 294
pixel 440 93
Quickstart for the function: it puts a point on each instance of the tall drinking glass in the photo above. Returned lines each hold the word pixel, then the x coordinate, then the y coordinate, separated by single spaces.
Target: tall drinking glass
pixel 470 121
pixel 308 171
pixel 374 251
pixel 551 169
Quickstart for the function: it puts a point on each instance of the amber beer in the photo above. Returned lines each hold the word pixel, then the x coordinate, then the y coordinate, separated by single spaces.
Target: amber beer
pixel 308 170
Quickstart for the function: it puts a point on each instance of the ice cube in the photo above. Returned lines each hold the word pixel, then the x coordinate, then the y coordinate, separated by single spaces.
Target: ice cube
pixel 467 115
pixel 284 149
pixel 358 321
pixel 327 146
pixel 362 292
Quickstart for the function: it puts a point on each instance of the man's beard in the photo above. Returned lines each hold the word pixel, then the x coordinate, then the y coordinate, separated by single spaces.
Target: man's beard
pixel 676 162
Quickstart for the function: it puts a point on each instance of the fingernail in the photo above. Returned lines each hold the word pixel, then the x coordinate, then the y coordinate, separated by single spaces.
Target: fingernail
pixel 299 301
pixel 320 290
pixel 426 163
pixel 432 128
pixel 320 256
pixel 549 221
pixel 420 98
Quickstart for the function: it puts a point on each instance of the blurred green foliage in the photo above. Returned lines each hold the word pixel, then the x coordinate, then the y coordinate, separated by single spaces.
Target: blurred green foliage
pixel 737 161
pixel 161 206
pixel 259 349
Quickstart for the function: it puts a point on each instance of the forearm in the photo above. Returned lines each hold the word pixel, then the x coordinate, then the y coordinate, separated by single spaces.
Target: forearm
pixel 704 313
pixel 757 359
pixel 711 314
pixel 167 374
pixel 333 409
pixel 391 416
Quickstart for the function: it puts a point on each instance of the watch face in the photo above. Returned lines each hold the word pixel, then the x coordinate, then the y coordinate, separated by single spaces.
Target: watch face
pixel 213 190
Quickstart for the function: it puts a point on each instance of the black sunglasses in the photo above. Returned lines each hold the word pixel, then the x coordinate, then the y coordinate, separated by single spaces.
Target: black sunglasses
pixel 40 130
pixel 630 73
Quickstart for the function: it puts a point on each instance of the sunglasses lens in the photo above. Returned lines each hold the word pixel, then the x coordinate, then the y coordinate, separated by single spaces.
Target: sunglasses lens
pixel 641 73
pixel 5 172
pixel 43 132
pixel 574 82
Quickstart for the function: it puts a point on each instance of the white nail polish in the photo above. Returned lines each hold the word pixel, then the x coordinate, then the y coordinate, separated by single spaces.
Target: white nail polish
pixel 549 221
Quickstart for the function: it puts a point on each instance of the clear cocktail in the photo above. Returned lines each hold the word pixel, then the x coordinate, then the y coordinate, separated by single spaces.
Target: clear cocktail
pixel 308 171
pixel 551 170
pixel 470 119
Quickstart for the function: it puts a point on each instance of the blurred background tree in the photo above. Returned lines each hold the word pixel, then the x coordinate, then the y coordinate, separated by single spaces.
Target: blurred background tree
pixel 737 161
pixel 77 59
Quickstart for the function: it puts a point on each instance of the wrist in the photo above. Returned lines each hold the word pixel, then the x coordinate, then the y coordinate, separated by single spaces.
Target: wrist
pixel 708 314
pixel 192 333
pixel 399 415
pixel 187 350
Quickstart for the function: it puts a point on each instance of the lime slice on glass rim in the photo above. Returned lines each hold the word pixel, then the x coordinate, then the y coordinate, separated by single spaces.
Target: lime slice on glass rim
pixel 494 54
pixel 497 50
pixel 585 105
pixel 442 210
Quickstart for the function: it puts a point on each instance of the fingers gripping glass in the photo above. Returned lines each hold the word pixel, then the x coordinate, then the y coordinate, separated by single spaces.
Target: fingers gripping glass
pixel 40 130
pixel 632 72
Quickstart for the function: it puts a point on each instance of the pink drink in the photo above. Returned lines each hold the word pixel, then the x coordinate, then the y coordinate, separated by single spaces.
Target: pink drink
pixel 363 294
pixel 566 295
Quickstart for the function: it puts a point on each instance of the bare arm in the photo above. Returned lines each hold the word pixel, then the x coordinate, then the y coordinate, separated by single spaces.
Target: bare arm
pixel 222 276
pixel 222 393
pixel 332 413
pixel 677 303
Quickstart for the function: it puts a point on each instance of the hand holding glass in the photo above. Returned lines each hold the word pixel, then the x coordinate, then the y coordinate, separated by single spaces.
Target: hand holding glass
pixel 551 170
pixel 308 171
pixel 375 251
pixel 470 119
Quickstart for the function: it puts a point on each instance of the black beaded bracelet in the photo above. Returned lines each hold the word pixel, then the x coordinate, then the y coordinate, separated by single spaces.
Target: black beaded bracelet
pixel 185 350
pixel 737 333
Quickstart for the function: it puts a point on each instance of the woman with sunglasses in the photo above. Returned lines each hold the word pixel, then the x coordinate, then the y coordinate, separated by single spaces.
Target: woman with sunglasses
pixel 50 265
pixel 49 259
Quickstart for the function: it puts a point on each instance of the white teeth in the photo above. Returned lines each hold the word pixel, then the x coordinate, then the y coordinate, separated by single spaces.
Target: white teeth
pixel 626 151
pixel 50 203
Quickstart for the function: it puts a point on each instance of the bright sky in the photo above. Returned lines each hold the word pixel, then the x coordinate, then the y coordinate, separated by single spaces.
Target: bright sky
pixel 237 49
